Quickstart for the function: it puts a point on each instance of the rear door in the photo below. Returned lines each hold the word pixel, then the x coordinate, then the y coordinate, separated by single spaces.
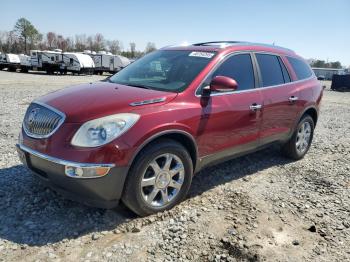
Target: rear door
pixel 280 97
pixel 111 64
pixel 228 124
pixel 40 60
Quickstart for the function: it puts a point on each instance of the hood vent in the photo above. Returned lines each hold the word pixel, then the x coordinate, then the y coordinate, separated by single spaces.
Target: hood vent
pixel 147 102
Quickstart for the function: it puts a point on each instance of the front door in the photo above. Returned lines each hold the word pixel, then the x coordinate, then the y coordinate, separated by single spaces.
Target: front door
pixel 231 121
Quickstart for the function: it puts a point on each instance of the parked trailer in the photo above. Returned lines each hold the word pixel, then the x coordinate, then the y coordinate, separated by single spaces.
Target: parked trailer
pixel 36 60
pixel 77 63
pixel 2 60
pixel 49 61
pixel 107 62
pixel 10 61
pixel 25 63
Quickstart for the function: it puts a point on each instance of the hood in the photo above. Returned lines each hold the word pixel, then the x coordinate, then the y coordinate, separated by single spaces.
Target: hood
pixel 89 101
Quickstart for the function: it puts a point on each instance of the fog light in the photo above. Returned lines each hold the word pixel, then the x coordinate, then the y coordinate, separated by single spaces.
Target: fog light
pixel 86 172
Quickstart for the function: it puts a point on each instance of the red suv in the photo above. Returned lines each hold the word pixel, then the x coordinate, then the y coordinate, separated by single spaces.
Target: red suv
pixel 140 135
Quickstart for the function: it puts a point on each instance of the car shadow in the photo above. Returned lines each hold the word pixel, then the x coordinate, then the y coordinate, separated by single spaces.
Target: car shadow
pixel 236 168
pixel 34 215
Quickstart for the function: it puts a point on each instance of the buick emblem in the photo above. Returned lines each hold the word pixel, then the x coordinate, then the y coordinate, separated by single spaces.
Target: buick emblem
pixel 32 115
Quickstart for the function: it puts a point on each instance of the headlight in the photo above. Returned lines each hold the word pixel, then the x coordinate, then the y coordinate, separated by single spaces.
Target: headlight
pixel 103 130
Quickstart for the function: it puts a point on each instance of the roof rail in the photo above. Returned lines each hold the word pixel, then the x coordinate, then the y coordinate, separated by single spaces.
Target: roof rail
pixel 230 43
pixel 218 43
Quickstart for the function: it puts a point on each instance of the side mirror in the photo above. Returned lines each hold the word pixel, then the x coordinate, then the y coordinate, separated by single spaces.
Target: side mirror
pixel 222 84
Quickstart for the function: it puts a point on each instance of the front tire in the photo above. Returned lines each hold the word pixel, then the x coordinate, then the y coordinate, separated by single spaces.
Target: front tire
pixel 298 145
pixel 159 178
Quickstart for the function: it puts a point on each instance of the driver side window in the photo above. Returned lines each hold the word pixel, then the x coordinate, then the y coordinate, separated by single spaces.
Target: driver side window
pixel 238 67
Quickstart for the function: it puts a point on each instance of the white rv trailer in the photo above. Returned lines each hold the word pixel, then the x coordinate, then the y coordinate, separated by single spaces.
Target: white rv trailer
pixel 10 61
pixel 49 61
pixel 78 63
pixel 35 59
pixel 25 63
pixel 2 60
pixel 107 62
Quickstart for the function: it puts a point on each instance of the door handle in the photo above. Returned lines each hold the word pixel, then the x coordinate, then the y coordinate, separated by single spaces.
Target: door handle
pixel 254 107
pixel 292 99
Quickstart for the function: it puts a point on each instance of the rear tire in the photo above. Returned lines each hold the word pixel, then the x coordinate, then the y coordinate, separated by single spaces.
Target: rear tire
pixel 159 178
pixel 298 145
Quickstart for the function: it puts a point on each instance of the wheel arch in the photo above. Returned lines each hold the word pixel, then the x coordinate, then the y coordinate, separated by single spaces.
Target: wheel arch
pixel 180 136
pixel 311 111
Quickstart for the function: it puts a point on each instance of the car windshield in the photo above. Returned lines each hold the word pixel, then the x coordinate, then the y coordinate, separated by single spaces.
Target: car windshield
pixel 165 70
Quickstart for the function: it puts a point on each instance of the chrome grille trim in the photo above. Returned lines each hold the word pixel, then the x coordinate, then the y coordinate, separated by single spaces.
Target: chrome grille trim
pixel 45 125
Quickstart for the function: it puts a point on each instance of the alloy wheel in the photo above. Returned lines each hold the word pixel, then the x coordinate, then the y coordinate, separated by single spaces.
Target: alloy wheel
pixel 303 137
pixel 162 180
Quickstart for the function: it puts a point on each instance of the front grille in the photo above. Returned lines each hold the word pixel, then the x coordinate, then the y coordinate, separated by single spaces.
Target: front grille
pixel 41 121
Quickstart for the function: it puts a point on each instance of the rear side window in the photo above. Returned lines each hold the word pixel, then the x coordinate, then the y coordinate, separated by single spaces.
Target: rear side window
pixel 301 69
pixel 270 70
pixel 284 71
pixel 239 68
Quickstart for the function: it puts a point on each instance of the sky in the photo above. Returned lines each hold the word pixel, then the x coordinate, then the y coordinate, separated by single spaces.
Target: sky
pixel 313 28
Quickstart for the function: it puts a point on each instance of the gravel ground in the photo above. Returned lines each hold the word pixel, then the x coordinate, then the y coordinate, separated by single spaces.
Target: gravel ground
pixel 254 208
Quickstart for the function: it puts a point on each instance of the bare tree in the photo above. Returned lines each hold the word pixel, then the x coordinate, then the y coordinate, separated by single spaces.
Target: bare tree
pixel 62 43
pixel 132 49
pixel 13 45
pixel 114 46
pixel 25 36
pixel 3 41
pixel 80 42
pixel 42 45
pixel 70 44
pixel 99 42
pixel 90 43
pixel 150 47
pixel 51 39
pixel 34 40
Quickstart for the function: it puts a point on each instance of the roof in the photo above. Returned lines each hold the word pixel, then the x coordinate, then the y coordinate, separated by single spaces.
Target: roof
pixel 223 45
pixel 84 59
pixel 12 58
pixel 49 52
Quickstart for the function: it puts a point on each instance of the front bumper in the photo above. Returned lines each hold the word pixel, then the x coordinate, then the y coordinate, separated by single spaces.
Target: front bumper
pixel 103 192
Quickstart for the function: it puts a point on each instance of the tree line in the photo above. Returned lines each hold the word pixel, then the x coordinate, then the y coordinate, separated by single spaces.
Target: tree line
pixel 323 64
pixel 25 36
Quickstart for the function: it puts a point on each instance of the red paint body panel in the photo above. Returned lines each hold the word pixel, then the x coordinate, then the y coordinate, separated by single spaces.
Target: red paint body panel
pixel 217 124
pixel 278 112
pixel 90 101
pixel 227 122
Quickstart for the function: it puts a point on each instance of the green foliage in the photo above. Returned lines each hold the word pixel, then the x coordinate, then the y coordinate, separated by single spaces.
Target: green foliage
pixel 25 30
pixel 323 64
pixel 25 37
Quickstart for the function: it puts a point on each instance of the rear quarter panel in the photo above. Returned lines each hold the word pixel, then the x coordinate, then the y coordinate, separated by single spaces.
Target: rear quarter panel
pixel 310 90
pixel 311 93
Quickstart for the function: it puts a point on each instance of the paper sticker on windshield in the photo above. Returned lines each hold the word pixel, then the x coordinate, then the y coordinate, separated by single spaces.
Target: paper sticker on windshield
pixel 202 54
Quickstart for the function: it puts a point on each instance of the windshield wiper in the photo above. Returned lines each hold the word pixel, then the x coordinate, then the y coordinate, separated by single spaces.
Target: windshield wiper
pixel 138 85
